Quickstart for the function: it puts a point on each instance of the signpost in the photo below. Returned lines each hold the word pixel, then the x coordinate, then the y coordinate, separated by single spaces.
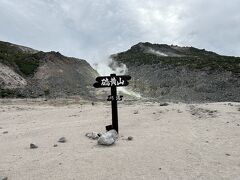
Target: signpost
pixel 112 81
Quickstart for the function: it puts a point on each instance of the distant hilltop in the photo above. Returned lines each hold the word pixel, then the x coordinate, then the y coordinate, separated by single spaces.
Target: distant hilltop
pixel 174 73
pixel 28 73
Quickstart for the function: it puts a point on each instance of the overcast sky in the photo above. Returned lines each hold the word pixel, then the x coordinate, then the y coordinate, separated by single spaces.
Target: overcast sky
pixel 93 29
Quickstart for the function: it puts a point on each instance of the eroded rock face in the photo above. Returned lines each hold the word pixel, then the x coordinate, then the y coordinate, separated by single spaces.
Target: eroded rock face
pixel 10 79
pixel 108 138
pixel 25 73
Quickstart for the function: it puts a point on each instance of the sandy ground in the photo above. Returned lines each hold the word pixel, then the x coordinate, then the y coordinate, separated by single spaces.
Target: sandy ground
pixel 178 141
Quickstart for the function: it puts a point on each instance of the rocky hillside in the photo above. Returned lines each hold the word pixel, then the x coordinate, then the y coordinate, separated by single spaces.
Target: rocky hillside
pixel 25 72
pixel 186 74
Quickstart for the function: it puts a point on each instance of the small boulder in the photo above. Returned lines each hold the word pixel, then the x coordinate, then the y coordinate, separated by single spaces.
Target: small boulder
pixel 179 111
pixel 130 138
pixel 62 140
pixel 108 138
pixel 135 112
pixel 93 135
pixel 163 104
pixel 33 146
pixel 55 145
pixel 5 132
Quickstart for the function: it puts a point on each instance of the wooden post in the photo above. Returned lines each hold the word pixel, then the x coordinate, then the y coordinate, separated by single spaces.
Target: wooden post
pixel 114 106
pixel 112 81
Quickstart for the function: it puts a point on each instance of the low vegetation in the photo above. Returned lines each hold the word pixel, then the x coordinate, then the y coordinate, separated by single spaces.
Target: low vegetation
pixel 192 58
pixel 10 93
pixel 23 62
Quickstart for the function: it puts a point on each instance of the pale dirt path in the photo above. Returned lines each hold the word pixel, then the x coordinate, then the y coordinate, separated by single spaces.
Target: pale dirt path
pixel 169 142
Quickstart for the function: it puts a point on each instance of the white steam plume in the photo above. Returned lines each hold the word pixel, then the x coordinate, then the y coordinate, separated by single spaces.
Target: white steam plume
pixel 158 53
pixel 108 66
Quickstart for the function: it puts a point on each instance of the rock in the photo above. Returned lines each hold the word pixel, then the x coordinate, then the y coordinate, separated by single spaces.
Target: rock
pixel 135 112
pixel 62 140
pixel 163 104
pixel 33 146
pixel 93 104
pixel 130 138
pixel 179 111
pixel 0 127
pixel 227 154
pixel 5 132
pixel 108 138
pixel 3 178
pixel 93 135
pixel 55 145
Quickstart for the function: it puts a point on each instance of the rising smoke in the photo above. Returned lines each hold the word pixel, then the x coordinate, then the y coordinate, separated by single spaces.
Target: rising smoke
pixel 109 66
pixel 158 53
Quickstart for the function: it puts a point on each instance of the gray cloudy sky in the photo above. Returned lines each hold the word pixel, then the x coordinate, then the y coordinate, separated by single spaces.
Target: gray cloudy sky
pixel 93 29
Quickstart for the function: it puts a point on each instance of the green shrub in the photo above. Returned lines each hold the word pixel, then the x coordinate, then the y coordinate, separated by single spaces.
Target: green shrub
pixel 24 63
pixel 212 62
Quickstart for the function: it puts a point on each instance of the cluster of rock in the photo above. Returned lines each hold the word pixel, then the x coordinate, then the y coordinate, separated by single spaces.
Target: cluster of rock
pixel 106 139
pixel 61 140
pixel 202 113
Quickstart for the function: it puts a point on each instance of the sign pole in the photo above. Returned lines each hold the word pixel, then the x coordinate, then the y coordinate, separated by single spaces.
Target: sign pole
pixel 114 105
pixel 112 81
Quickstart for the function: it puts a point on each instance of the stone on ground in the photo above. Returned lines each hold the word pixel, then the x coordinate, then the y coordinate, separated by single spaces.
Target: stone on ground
pixel 108 138
pixel 33 146
pixel 93 135
pixel 62 140
pixel 130 138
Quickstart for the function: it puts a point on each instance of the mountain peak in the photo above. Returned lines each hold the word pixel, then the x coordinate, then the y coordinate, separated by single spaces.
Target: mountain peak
pixel 169 50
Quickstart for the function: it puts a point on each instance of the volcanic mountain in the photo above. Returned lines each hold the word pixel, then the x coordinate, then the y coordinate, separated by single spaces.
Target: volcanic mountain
pixel 25 72
pixel 159 72
pixel 163 72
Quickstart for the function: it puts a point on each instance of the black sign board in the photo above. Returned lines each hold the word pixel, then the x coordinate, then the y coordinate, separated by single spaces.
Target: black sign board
pixel 112 81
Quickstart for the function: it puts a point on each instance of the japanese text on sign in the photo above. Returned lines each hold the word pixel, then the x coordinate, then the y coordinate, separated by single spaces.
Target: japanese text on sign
pixel 112 82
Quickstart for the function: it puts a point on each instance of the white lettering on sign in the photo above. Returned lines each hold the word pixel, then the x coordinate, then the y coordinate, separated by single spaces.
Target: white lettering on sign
pixel 113 81
pixel 105 82
pixel 120 82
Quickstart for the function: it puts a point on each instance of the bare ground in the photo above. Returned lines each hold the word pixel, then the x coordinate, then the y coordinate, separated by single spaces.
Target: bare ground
pixel 178 141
